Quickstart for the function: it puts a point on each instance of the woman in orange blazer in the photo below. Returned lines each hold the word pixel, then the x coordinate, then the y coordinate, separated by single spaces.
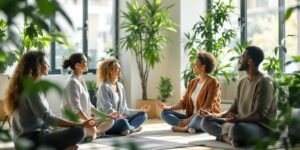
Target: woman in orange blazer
pixel 203 94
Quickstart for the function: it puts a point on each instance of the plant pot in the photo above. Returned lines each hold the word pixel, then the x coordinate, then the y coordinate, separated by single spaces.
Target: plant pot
pixel 152 103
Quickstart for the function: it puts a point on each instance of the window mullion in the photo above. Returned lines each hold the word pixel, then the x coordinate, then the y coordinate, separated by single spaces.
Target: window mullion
pixel 281 32
pixel 85 27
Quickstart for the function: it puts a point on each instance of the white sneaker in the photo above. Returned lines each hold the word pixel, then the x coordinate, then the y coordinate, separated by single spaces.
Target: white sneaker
pixel 192 130
pixel 125 132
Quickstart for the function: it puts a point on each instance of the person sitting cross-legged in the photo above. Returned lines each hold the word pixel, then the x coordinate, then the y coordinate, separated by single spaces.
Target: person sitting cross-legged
pixel 203 93
pixel 111 99
pixel 76 97
pixel 254 107
pixel 30 112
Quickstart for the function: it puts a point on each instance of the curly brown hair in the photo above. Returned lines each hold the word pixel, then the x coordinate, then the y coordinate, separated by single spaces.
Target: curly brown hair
pixel 208 60
pixel 28 67
pixel 104 69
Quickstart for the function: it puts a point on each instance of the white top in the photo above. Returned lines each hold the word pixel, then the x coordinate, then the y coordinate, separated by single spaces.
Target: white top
pixel 76 96
pixel 196 93
pixel 117 100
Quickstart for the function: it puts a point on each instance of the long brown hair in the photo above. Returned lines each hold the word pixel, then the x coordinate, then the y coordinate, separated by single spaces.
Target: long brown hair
pixel 28 67
pixel 104 69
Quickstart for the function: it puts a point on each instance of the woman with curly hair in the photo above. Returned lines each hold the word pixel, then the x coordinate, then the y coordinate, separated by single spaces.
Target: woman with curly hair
pixel 202 95
pixel 30 113
pixel 111 98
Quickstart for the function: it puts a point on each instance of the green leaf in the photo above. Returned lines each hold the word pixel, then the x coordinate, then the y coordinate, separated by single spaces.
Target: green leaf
pixel 46 7
pixel 288 13
pixel 70 115
pixel 33 87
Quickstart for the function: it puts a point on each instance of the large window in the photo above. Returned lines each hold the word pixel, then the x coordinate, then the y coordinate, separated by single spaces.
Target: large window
pixel 262 24
pixel 100 27
pixel 92 34
pixel 73 35
pixel 291 36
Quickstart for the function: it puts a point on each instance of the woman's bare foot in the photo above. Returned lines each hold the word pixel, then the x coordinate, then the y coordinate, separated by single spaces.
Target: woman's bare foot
pixel 226 139
pixel 179 129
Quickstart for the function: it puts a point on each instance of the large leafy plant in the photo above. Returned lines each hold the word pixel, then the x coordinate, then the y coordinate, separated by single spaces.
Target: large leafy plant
pixel 144 25
pixel 212 35
pixel 6 58
pixel 37 13
pixel 287 95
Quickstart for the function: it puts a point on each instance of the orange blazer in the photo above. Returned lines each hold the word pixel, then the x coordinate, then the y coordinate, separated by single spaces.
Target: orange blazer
pixel 209 97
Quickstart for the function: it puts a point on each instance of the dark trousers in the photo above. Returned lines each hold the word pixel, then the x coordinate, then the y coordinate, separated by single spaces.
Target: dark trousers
pixel 57 139
pixel 243 134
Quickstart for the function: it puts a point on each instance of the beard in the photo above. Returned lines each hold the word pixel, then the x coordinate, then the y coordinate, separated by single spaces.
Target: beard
pixel 243 67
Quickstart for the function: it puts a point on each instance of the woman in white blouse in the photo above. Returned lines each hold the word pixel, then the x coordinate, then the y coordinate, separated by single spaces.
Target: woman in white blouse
pixel 76 96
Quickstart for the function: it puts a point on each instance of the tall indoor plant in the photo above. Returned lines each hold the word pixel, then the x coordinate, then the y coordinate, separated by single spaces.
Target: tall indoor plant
pixel 212 35
pixel 144 25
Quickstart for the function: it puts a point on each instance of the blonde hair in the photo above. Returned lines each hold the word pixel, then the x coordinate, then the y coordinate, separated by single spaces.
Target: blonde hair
pixel 104 69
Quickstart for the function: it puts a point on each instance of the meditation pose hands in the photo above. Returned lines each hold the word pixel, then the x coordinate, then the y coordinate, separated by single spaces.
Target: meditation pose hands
pixel 162 106
pixel 145 108
pixel 114 115
pixel 89 123
pixel 230 117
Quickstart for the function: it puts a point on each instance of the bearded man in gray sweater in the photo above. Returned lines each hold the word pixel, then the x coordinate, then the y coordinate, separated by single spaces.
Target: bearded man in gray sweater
pixel 254 107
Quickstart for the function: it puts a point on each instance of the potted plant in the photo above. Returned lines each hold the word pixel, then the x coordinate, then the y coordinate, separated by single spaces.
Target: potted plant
pixel 165 91
pixel 92 88
pixel 144 25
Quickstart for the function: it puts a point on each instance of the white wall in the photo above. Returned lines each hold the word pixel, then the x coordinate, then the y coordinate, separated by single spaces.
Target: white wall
pixel 185 14
pixel 191 10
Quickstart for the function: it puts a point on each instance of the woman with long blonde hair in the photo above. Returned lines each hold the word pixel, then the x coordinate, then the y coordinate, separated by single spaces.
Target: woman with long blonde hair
pixel 30 113
pixel 111 98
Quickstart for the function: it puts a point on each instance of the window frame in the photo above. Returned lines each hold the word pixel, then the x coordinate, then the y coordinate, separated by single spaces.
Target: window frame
pixel 115 37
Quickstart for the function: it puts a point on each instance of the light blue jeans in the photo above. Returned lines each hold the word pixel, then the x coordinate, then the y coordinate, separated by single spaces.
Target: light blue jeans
pixel 243 134
pixel 130 123
pixel 173 118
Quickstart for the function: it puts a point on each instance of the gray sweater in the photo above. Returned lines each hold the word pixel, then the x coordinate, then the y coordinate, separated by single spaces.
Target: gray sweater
pixel 255 96
pixel 32 114
pixel 106 100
